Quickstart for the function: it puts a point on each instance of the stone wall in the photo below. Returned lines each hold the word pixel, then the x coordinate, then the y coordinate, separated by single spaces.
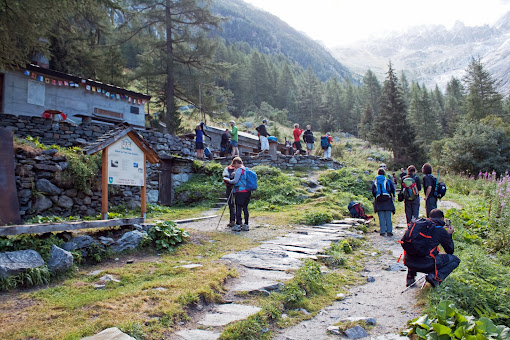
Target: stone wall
pixel 290 162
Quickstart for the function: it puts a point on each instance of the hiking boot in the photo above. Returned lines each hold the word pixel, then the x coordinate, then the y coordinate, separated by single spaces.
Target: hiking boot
pixel 382 234
pixel 231 224
pixel 430 278
pixel 236 227
pixel 389 234
pixel 245 227
pixel 410 282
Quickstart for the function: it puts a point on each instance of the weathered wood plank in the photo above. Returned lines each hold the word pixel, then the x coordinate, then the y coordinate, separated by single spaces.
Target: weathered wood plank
pixel 51 227
pixel 195 219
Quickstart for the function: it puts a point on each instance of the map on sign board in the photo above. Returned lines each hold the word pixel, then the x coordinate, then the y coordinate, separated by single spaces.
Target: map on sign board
pixel 125 163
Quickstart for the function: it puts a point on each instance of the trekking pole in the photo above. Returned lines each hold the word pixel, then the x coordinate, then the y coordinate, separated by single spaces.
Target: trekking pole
pixel 414 283
pixel 225 207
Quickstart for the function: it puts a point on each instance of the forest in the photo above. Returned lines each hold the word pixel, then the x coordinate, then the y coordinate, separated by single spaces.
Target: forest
pixel 182 52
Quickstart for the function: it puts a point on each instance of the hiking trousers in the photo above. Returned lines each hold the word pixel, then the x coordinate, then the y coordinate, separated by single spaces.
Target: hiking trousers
pixel 385 225
pixel 430 204
pixel 412 209
pixel 242 201
pixel 445 264
pixel 231 203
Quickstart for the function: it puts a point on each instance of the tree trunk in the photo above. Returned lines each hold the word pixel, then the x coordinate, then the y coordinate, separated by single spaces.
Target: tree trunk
pixel 169 91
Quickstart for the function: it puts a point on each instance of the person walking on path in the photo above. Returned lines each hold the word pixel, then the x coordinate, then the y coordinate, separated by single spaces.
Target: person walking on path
pixel 384 194
pixel 436 266
pixel 297 138
pixel 242 195
pixel 234 138
pixel 309 140
pixel 199 140
pixel 228 172
pixel 263 134
pixel 429 186
pixel 327 151
pixel 411 185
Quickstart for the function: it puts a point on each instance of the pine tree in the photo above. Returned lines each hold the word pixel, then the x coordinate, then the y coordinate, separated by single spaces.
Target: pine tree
pixel 366 125
pixel 453 105
pixel 371 91
pixel 482 99
pixel 391 127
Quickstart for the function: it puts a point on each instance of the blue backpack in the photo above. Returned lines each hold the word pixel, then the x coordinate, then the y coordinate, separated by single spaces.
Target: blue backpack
pixel 325 142
pixel 251 180
pixel 382 191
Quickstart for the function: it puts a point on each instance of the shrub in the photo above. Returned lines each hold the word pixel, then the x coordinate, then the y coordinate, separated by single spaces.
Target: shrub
pixel 29 278
pixel 316 217
pixel 351 180
pixel 40 243
pixel 166 235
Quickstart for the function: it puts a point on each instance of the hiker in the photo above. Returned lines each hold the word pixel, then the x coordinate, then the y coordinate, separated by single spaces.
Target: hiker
pixel 326 145
pixel 228 172
pixel 234 138
pixel 394 179
pixel 403 173
pixel 309 140
pixel 411 187
pixel 199 140
pixel 263 134
pixel 241 194
pixel 429 186
pixel 384 194
pixel 225 147
pixel 297 138
pixel 436 266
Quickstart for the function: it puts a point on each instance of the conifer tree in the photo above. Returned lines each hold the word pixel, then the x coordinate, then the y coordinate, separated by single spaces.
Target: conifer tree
pixel 366 125
pixel 482 98
pixel 391 128
pixel 453 105
pixel 371 91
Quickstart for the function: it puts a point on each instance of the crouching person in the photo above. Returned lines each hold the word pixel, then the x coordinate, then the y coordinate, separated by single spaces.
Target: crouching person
pixel 420 243
pixel 241 194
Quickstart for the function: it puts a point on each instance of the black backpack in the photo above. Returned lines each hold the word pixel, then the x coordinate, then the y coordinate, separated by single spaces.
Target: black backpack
pixel 439 189
pixel 417 240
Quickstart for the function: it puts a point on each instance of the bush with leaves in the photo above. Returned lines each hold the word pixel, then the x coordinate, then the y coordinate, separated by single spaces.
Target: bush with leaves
pixel 166 235
pixel 450 323
pixel 351 180
pixel 40 243
pixel 316 217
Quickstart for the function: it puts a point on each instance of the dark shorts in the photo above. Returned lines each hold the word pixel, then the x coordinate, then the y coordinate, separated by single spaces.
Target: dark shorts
pixel 234 143
pixel 199 146
pixel 297 145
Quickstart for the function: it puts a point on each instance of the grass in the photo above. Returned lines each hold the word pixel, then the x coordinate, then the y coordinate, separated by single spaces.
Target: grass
pixel 73 308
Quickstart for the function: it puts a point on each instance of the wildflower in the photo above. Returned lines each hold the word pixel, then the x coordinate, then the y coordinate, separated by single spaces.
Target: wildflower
pixel 480 174
pixel 503 204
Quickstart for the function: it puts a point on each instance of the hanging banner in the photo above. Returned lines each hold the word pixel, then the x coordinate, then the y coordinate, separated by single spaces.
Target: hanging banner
pixel 125 163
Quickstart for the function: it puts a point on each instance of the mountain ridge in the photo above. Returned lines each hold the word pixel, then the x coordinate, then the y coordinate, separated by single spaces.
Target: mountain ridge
pixel 432 54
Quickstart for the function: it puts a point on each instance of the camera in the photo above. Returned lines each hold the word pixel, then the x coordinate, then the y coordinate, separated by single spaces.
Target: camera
pixel 447 222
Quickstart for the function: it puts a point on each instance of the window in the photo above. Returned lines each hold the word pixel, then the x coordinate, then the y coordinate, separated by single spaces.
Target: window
pixel 135 110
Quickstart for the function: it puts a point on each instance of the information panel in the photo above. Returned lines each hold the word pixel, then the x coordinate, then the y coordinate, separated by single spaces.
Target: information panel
pixel 125 163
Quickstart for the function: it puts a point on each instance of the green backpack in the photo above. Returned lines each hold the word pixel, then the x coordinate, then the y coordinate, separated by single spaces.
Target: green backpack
pixel 410 189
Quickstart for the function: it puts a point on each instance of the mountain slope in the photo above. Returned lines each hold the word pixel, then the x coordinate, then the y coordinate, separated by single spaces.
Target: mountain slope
pixel 433 54
pixel 271 35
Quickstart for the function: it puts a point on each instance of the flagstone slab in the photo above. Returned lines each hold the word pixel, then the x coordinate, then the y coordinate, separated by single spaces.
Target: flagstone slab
pixel 197 334
pixel 224 314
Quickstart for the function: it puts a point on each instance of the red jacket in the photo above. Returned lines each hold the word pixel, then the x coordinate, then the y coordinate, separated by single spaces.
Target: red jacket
pixel 297 134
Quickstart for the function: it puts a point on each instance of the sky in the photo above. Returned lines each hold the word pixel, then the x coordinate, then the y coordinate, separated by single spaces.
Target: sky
pixel 340 22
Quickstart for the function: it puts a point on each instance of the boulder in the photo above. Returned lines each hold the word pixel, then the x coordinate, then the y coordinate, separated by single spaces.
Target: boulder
pixel 15 262
pixel 60 260
pixel 152 196
pixel 65 202
pixel 79 242
pixel 45 186
pixel 42 203
pixel 129 240
pixel 110 334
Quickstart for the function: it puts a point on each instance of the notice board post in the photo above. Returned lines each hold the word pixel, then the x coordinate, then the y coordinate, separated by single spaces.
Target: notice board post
pixel 124 156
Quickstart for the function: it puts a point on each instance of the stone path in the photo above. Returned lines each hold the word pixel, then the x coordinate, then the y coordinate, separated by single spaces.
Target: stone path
pixel 263 269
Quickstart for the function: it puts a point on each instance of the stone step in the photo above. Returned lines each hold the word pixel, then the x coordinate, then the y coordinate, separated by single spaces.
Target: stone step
pixel 225 314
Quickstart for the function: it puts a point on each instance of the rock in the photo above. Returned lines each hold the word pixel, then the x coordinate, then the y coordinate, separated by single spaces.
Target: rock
pixel 107 278
pixel 133 204
pixel 110 334
pixel 50 152
pixel 60 260
pixel 153 196
pixel 129 240
pixel 191 266
pixel 106 241
pixel 356 332
pixel 293 160
pixel 313 183
pixel 79 242
pixel 334 330
pixel 340 296
pixel 370 279
pixel 65 202
pixel 396 266
pixel 15 262
pixel 45 186
pixel 42 203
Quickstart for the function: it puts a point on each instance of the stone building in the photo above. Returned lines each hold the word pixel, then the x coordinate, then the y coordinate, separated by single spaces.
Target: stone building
pixel 31 91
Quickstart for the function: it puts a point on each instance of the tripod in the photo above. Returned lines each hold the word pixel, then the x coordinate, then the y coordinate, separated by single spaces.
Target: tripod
pixel 225 207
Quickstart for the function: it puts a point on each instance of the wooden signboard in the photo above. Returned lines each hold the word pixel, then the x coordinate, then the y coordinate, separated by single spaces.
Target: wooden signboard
pixel 9 205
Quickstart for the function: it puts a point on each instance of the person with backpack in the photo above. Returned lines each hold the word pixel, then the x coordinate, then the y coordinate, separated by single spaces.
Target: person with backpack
pixel 309 140
pixel 383 191
pixel 421 251
pixel 411 187
pixel 429 186
pixel 241 194
pixel 263 134
pixel 228 172
pixel 326 145
pixel 199 140
pixel 225 147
